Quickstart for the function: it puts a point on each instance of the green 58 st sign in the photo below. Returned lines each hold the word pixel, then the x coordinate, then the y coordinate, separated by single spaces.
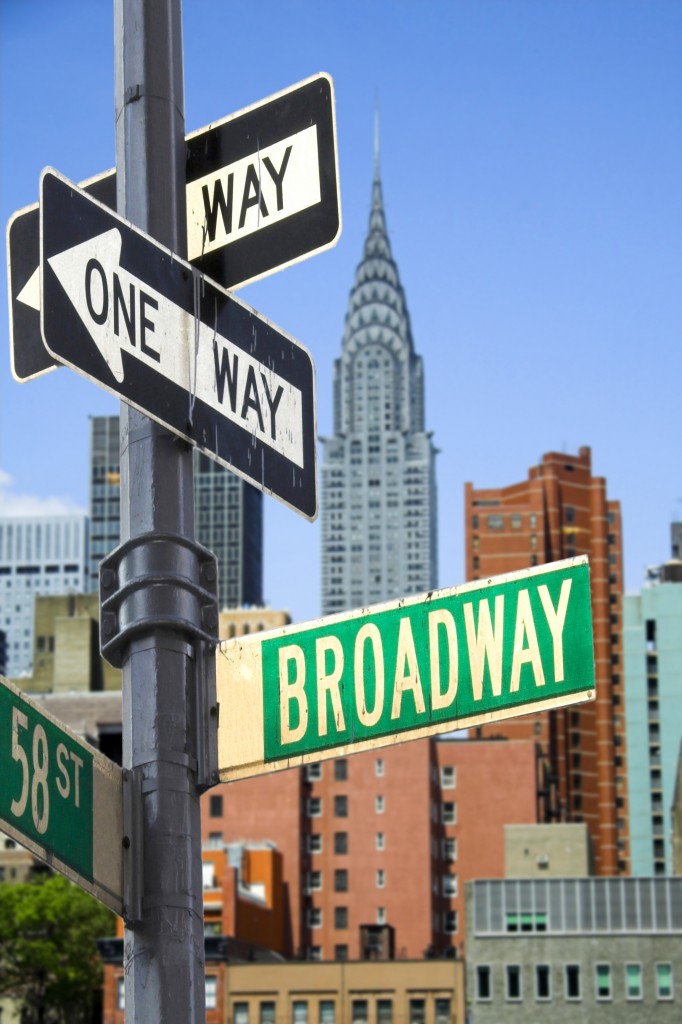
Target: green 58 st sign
pixel 49 779
pixel 59 796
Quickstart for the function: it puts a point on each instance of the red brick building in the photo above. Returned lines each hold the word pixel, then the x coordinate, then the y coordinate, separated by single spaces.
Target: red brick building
pixel 385 839
pixel 563 510
pixel 244 900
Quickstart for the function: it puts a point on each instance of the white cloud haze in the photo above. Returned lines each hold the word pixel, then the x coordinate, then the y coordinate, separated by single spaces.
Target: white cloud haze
pixel 14 504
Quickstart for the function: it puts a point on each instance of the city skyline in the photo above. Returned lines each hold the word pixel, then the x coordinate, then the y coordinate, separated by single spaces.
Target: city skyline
pixel 530 164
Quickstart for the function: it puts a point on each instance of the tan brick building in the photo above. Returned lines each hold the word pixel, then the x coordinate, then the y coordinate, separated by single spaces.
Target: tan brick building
pixel 389 992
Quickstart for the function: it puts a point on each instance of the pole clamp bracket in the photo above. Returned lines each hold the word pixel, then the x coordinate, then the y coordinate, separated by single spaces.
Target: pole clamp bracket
pixel 157 581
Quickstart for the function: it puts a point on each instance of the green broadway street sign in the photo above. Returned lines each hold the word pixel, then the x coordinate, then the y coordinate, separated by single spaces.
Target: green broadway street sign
pixel 60 797
pixel 428 664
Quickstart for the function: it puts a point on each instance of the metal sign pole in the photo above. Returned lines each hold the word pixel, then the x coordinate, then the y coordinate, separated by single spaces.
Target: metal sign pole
pixel 149 585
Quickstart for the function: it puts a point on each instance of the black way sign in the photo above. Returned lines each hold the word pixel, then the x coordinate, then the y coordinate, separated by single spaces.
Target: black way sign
pixel 263 185
pixel 124 311
pixel 262 193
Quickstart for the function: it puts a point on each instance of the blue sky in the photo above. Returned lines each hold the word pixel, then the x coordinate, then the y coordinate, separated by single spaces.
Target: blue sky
pixel 531 155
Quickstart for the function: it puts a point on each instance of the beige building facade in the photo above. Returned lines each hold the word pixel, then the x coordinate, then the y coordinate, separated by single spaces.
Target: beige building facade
pixel 547 851
pixel 352 992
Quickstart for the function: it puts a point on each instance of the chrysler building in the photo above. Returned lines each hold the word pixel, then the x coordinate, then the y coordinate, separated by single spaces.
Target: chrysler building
pixel 378 480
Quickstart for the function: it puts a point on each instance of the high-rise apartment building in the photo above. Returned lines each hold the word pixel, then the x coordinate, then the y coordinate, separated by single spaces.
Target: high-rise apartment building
pixel 105 493
pixel 229 522
pixel 228 515
pixel 38 555
pixel 652 658
pixel 562 510
pixel 378 481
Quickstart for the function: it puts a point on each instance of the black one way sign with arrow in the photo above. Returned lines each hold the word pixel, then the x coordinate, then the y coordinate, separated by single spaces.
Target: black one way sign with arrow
pixel 124 311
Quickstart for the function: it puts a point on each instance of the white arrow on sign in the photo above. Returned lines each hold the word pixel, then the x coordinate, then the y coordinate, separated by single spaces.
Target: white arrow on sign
pixel 30 293
pixel 124 314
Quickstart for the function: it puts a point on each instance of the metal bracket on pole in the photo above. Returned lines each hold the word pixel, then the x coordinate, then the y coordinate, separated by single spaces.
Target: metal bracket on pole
pixel 133 848
pixel 206 716
pixel 164 581
pixel 157 581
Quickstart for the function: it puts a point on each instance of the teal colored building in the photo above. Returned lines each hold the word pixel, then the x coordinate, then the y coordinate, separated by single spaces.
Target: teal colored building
pixel 652 657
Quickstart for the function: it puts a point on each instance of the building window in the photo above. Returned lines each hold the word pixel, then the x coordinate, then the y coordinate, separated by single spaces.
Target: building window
pixel 633 981
pixel 211 990
pixel 513 977
pixel 314 880
pixel 380 841
pixel 381 878
pixel 340 842
pixel 450 922
pixel 314 771
pixel 450 850
pixel 381 915
pixel 359 1011
pixel 448 777
pixel 240 1013
pixel 327 1011
pixel 341 951
pixel 120 993
pixel 379 804
pixel 341 880
pixel 526 922
pixel 573 981
pixel 215 807
pixel 267 1012
pixel 543 988
pixel 449 812
pixel 417 1011
pixel 315 806
pixel 664 981
pixel 340 806
pixel 215 840
pixel 299 1011
pixel 379 767
pixel 603 980
pixel 315 917
pixel 315 843
pixel 496 522
pixel 341 918
pixel 315 953
pixel 341 770
pixel 449 886
pixel 384 1011
pixel 443 1011
pixel 483 983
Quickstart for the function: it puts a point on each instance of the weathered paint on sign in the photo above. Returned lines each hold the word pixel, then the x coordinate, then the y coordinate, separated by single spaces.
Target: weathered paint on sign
pixel 60 797
pixel 125 312
pixel 450 659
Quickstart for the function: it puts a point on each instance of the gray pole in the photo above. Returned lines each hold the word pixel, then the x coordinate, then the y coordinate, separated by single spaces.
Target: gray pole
pixel 164 949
